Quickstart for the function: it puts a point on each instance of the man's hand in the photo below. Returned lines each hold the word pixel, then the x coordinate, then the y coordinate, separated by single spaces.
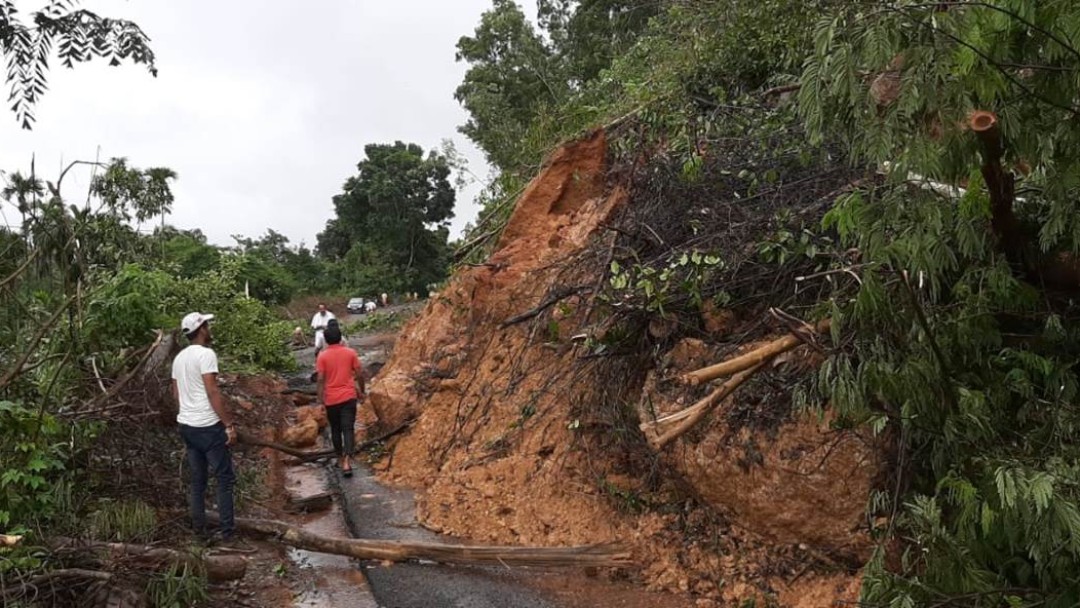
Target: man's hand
pixel 230 434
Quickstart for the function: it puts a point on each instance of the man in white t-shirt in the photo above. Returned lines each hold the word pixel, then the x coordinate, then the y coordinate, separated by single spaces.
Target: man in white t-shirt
pixel 206 426
pixel 319 323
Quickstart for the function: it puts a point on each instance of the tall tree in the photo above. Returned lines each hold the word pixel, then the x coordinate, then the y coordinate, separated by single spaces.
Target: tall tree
pixel 512 76
pixel 587 35
pixel 78 35
pixel 397 210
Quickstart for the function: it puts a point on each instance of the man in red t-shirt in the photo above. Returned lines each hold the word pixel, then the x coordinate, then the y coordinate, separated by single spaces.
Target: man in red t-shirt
pixel 341 385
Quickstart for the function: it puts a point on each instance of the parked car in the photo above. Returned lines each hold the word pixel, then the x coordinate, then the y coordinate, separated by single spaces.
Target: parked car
pixel 355 306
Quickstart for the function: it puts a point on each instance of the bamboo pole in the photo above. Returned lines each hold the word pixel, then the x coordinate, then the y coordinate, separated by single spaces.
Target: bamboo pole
pixel 697 412
pixel 748 360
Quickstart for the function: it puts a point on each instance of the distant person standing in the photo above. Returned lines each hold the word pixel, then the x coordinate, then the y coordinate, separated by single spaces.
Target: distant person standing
pixel 206 426
pixel 341 386
pixel 369 306
pixel 319 323
pixel 385 300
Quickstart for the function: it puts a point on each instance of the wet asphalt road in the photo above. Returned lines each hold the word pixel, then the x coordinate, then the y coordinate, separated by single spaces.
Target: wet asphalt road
pixel 374 511
pixel 378 512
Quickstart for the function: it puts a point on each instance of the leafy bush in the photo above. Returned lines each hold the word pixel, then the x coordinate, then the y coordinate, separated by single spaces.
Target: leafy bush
pixel 126 309
pixel 35 451
pixel 246 332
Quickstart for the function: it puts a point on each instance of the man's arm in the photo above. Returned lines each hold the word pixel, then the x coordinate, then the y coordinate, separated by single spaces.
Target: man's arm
pixel 218 403
pixel 175 393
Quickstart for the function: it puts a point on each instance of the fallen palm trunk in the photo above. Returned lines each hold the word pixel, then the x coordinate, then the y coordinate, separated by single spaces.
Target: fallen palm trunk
pixel 748 360
pixel 218 568
pixel 695 413
pixel 397 551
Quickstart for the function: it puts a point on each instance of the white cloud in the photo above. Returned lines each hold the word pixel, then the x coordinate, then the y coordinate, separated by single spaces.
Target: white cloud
pixel 262 107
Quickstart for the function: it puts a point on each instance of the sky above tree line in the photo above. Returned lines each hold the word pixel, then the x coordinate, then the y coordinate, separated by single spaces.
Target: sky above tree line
pixel 262 107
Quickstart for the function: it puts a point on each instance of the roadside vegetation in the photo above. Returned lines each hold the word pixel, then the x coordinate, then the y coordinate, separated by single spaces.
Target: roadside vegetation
pixel 90 306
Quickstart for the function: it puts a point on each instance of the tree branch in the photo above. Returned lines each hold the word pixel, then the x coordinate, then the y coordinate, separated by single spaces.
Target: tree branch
pixel 45 328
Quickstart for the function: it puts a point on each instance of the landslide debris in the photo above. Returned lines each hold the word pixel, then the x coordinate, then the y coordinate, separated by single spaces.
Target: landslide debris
pixel 529 376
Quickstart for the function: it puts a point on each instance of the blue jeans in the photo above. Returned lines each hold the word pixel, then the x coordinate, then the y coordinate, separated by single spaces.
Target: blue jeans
pixel 207 451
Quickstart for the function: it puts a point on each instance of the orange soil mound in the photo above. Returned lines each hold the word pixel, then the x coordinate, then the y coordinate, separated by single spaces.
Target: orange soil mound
pixel 502 452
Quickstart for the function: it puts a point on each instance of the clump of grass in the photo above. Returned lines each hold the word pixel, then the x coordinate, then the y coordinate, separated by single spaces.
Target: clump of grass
pixel 123 521
pixel 181 586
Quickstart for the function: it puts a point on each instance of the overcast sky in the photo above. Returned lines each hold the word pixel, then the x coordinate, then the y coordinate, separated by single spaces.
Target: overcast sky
pixel 262 107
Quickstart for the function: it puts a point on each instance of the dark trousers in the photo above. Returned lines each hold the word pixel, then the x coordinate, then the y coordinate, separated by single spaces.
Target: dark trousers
pixel 342 417
pixel 208 452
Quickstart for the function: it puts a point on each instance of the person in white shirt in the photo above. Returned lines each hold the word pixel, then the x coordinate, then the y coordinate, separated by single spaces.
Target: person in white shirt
pixel 206 426
pixel 319 323
pixel 369 306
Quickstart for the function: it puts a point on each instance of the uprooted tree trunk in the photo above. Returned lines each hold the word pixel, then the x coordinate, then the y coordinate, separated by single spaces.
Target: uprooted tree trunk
pixel 397 551
pixel 218 568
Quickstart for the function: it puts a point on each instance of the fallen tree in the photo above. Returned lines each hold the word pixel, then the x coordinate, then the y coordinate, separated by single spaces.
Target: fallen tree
pixel 399 551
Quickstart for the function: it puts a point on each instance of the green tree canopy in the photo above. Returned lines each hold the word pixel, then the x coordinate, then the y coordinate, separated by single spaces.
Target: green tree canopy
pixel 397 209
pixel 512 76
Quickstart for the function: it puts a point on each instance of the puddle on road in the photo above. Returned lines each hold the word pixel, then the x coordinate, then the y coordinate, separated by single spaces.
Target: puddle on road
pixel 338 582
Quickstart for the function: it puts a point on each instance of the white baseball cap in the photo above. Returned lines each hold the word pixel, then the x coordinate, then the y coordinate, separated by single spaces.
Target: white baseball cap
pixel 193 321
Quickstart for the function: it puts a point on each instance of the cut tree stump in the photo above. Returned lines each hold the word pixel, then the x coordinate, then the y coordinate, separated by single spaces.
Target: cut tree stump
pixel 219 568
pixel 398 551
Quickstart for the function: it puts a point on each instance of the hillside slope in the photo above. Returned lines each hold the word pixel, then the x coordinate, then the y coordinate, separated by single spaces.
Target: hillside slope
pixel 527 434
